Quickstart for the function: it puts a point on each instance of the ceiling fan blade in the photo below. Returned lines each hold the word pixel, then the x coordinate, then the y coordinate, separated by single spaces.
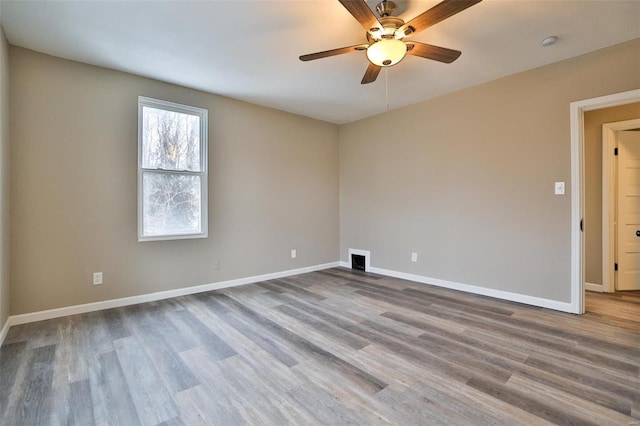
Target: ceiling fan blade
pixel 371 74
pixel 429 51
pixel 362 13
pixel 333 52
pixel 437 13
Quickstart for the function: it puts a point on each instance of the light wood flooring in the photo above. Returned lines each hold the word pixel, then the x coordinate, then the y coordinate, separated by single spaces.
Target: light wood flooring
pixel 333 347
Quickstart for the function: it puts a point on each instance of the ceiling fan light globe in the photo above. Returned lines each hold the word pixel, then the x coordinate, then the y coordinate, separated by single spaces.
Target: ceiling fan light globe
pixel 386 52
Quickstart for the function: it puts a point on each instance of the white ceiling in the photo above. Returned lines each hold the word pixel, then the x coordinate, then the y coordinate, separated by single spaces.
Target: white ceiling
pixel 249 50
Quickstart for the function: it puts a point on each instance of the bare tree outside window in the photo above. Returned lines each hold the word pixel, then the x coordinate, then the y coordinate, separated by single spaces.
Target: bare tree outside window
pixel 170 140
pixel 172 172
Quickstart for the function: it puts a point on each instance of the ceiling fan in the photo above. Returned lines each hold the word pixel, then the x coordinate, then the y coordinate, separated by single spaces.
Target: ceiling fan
pixel 385 36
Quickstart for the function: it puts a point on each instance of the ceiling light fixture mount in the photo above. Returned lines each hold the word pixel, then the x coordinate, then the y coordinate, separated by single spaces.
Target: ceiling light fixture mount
pixel 385 8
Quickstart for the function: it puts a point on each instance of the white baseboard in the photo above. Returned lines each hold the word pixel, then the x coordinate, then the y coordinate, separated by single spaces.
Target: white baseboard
pixel 594 287
pixel 161 295
pixel 468 288
pixel 4 330
pixel 151 297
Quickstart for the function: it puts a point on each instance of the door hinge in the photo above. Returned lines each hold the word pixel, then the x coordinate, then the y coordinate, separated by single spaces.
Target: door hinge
pixel 581 225
pixel 615 266
pixel 615 151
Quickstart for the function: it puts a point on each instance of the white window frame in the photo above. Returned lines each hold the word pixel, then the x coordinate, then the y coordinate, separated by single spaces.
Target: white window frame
pixel 204 174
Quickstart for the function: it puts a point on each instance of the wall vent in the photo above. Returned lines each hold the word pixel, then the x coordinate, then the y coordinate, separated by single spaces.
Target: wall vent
pixel 358 262
pixel 359 259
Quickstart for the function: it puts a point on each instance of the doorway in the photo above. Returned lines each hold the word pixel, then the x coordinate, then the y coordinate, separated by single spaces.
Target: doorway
pixel 620 206
pixel 577 110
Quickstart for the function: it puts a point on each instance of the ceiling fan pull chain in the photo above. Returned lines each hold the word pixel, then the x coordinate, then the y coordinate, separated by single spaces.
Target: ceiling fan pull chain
pixel 386 86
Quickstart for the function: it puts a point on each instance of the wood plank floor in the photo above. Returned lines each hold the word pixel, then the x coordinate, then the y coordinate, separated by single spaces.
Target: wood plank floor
pixel 331 347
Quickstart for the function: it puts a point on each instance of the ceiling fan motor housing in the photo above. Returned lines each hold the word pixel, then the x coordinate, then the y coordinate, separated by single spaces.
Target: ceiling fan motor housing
pixel 390 24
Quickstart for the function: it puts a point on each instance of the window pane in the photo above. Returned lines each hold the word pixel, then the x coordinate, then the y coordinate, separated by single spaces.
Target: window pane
pixel 170 140
pixel 171 204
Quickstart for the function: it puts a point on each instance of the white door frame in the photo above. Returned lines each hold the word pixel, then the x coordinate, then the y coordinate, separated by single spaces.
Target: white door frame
pixel 609 131
pixel 576 110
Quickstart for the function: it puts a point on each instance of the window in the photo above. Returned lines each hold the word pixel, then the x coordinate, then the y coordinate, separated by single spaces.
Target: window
pixel 172 171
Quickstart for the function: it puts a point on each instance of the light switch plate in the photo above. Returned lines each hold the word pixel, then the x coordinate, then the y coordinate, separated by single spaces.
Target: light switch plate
pixel 559 188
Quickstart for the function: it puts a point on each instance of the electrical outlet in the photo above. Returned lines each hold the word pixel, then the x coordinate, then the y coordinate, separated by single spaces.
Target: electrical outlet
pixel 294 254
pixel 97 278
pixel 414 257
pixel 559 188
pixel 216 264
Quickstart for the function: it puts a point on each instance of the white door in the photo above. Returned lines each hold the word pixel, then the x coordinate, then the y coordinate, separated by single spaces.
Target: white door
pixel 628 244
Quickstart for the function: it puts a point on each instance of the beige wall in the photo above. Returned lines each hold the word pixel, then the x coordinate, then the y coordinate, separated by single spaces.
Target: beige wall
pixel 4 179
pixel 593 121
pixel 466 179
pixel 273 187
